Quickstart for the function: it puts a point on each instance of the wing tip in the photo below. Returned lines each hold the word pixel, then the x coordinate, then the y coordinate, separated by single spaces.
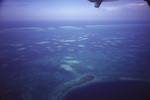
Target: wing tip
pixel 148 2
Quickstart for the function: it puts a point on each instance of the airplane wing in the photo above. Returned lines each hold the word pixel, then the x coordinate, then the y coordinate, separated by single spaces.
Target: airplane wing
pixel 98 3
pixel 148 1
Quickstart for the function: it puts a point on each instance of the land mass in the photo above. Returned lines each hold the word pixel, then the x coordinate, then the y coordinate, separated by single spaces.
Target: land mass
pixel 82 80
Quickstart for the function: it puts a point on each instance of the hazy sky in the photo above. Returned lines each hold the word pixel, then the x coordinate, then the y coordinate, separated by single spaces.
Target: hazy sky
pixel 73 9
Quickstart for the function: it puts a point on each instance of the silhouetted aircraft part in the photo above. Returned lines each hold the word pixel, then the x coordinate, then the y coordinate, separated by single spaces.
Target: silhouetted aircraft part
pixel 98 2
pixel 148 1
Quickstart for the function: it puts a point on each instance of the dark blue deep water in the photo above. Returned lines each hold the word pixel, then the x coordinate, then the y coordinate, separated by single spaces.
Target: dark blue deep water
pixel 115 90
pixel 44 60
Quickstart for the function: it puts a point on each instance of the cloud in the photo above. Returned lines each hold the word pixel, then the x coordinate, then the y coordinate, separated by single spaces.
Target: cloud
pixel 113 8
pixel 136 4
pixel 129 6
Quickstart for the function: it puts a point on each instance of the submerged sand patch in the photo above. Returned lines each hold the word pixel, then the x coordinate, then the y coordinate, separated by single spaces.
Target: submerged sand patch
pixel 66 67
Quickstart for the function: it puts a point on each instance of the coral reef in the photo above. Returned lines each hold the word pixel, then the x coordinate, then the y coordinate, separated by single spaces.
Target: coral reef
pixel 82 80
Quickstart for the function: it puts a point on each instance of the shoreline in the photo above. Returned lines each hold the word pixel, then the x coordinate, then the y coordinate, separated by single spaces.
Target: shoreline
pixel 81 81
pixel 112 87
pixel 87 80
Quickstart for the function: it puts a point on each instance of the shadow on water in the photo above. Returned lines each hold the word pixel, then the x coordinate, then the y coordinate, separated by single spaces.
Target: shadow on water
pixel 115 90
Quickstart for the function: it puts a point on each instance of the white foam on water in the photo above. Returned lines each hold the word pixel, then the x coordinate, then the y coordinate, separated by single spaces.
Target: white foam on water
pixel 59 46
pixel 16 45
pixel 71 27
pixel 30 46
pixel 55 43
pixel 25 29
pixel 66 67
pixel 67 40
pixel 21 49
pixel 81 39
pixel 42 42
pixel 81 45
pixel 66 44
pixel 68 57
pixel 71 62
pixel 70 49
pixel 32 28
pixel 93 26
pixel 48 47
pixel 51 28
pixel 90 67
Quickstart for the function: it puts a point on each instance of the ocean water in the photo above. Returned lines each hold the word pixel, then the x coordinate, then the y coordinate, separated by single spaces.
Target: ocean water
pixel 46 61
pixel 114 90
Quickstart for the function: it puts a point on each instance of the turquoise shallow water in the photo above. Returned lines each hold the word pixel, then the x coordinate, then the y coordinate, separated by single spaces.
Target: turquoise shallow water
pixel 44 62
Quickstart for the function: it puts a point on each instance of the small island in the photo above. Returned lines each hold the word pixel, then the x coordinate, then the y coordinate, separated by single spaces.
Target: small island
pixel 82 80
